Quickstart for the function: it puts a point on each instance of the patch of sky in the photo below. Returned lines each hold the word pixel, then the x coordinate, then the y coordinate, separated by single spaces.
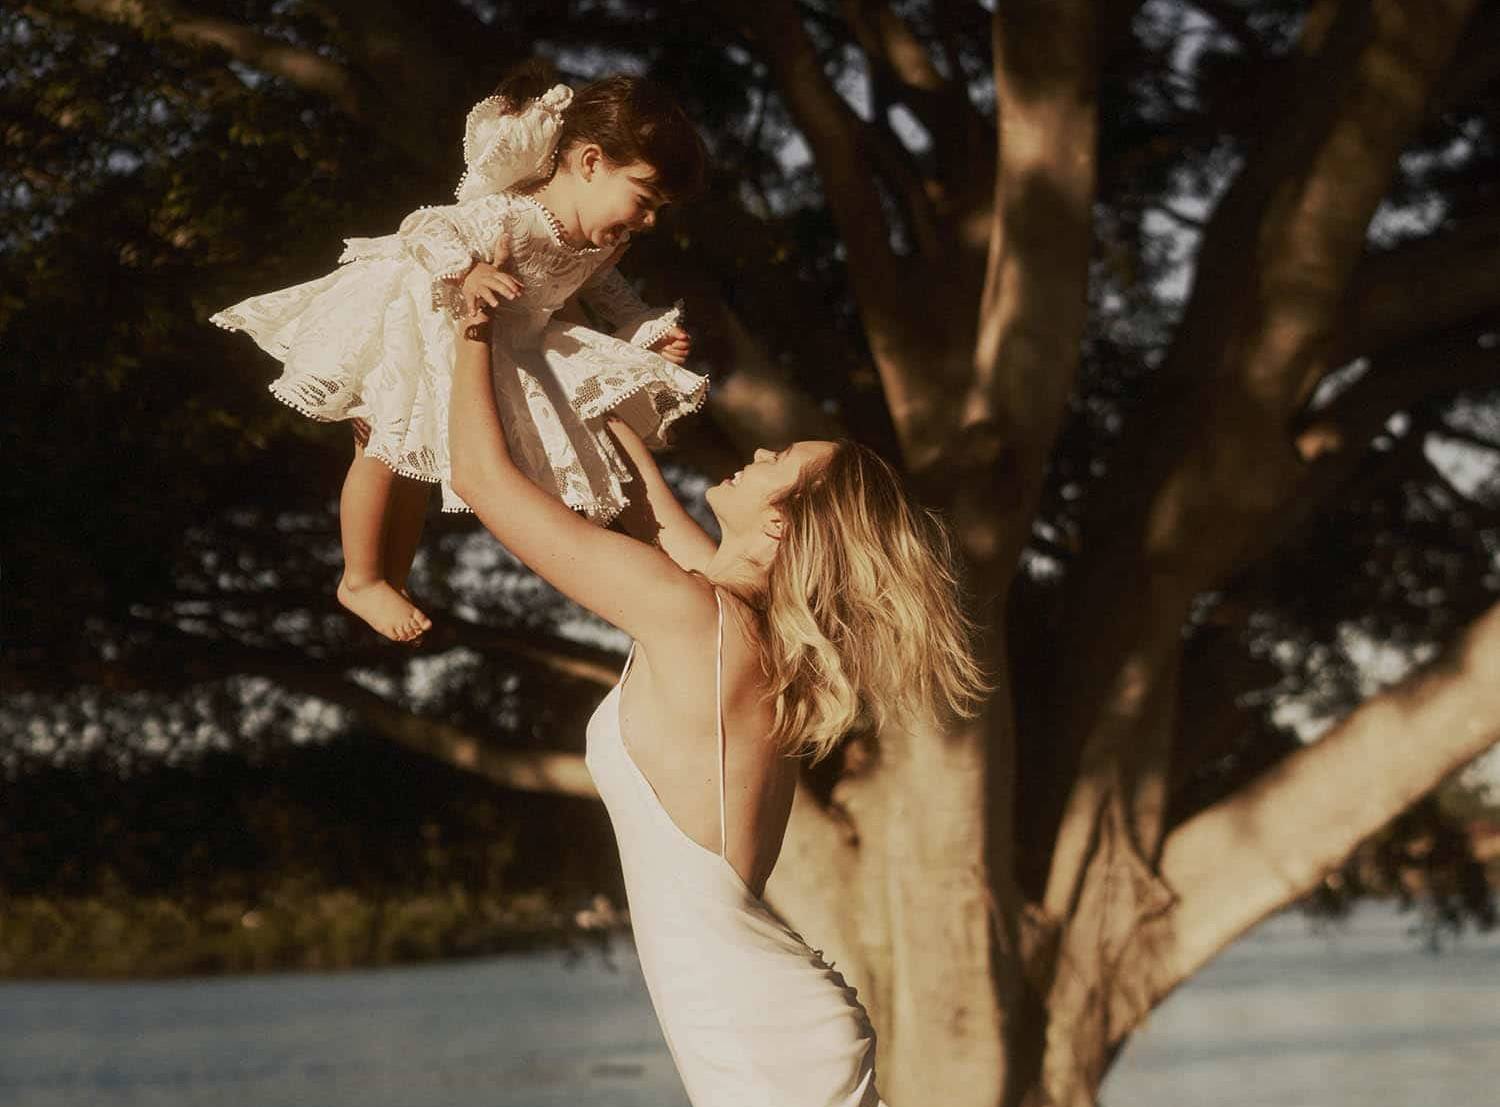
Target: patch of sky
pixel 794 154
pixel 1040 566
pixel 249 77
pixel 1176 227
pixel 1472 469
pixel 852 80
pixel 1337 382
pixel 981 92
pixel 909 129
pixel 123 162
pixel 1453 155
pixel 373 680
pixel 692 488
pixel 592 62
pixel 1379 664
pixel 427 679
pixel 1394 223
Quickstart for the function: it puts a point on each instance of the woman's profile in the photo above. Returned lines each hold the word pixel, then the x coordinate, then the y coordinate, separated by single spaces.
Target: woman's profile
pixel 830 603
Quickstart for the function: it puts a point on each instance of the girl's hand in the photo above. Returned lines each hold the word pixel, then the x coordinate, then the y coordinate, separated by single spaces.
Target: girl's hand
pixel 486 283
pixel 675 346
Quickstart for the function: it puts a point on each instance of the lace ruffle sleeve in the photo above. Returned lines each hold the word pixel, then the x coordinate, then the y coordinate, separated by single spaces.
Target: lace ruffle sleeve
pixel 609 295
pixel 447 241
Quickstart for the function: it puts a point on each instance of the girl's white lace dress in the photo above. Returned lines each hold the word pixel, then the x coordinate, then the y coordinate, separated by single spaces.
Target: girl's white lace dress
pixel 375 340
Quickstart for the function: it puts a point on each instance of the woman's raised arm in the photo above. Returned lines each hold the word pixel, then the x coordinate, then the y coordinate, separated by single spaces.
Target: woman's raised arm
pixel 624 581
pixel 677 532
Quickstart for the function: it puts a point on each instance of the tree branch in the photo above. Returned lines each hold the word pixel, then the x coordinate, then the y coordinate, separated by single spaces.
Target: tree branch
pixel 942 104
pixel 301 67
pixel 1219 474
pixel 1033 306
pixel 1313 231
pixel 756 404
pixel 203 660
pixel 1237 862
pixel 1475 64
pixel 1421 287
pixel 558 657
pixel 1439 366
pixel 519 770
pixel 898 331
pixel 833 131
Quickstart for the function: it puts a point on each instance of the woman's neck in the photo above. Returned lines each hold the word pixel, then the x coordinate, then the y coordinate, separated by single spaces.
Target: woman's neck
pixel 738 567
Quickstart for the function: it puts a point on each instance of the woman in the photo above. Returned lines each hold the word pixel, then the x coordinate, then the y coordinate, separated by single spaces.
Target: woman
pixel 830 603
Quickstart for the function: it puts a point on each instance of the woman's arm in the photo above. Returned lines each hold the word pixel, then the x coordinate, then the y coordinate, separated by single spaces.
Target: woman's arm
pixel 626 582
pixel 677 532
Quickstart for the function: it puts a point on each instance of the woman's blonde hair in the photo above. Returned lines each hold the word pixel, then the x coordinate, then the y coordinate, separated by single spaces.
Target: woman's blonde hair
pixel 861 624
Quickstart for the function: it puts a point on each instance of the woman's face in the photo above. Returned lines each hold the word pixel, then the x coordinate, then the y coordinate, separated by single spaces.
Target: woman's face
pixel 615 200
pixel 743 501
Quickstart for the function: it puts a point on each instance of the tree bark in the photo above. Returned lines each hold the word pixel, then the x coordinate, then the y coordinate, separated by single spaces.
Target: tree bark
pixel 1269 843
pixel 1192 491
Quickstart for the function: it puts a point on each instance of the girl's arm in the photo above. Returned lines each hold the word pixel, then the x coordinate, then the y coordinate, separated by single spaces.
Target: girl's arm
pixel 626 582
pixel 608 294
pixel 447 241
pixel 677 532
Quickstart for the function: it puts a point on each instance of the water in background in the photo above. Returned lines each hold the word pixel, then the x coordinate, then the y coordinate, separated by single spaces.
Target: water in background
pixel 1356 1016
pixel 1360 1017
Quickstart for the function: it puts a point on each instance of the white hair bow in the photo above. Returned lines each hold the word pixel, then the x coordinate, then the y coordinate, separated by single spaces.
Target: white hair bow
pixel 503 147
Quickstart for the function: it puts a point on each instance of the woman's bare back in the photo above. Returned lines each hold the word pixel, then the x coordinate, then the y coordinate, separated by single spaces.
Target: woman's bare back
pixel 667 723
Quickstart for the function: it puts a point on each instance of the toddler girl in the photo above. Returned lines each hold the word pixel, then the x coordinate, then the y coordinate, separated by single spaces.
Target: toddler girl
pixel 556 184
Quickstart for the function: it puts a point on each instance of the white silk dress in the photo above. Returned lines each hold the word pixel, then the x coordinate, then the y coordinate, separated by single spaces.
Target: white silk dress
pixel 752 1015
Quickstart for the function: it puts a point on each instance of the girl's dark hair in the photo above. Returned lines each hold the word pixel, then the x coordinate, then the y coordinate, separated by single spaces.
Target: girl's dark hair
pixel 629 118
pixel 526 81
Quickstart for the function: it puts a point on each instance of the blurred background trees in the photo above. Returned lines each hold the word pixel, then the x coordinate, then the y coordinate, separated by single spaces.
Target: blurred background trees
pixel 1184 312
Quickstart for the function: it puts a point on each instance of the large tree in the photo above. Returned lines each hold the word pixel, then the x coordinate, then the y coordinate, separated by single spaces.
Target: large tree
pixel 1180 311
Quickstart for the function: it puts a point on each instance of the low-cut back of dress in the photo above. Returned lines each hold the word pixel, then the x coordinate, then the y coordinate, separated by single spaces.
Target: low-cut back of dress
pixel 752 1015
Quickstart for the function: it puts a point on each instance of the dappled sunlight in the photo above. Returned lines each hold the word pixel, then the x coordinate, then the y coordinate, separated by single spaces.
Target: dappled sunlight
pixel 1230 339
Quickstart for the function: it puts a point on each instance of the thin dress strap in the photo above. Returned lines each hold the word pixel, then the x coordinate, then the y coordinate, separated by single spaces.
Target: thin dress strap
pixel 719 720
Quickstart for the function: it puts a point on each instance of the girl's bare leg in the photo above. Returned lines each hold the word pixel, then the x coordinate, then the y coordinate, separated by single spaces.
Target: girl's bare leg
pixel 405 517
pixel 364 589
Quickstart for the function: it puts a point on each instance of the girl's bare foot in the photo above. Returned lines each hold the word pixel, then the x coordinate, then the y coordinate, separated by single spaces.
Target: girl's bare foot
pixel 388 611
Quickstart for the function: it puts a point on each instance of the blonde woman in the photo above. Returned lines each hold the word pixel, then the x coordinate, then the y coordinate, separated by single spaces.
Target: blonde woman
pixel 828 604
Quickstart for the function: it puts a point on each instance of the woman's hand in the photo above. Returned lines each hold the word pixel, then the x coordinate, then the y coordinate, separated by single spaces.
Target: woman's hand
pixel 675 346
pixel 474 328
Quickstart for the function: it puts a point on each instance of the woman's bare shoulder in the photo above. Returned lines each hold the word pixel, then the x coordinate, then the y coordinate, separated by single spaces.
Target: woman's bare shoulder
pixel 684 613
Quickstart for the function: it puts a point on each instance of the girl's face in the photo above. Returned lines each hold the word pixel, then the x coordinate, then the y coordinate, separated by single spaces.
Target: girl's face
pixel 614 200
pixel 743 501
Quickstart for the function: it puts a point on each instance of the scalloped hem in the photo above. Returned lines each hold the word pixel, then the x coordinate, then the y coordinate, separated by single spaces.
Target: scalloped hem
pixel 298 406
pixel 602 520
pixel 697 398
pixel 394 465
pixel 658 329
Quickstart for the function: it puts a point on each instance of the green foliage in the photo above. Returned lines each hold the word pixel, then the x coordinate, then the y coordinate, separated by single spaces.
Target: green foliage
pixel 162 511
pixel 318 856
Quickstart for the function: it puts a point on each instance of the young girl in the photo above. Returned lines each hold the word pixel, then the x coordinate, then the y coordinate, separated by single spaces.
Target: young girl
pixel 556 184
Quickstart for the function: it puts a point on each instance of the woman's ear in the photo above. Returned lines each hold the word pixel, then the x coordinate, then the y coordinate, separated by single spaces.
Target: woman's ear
pixel 774 526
